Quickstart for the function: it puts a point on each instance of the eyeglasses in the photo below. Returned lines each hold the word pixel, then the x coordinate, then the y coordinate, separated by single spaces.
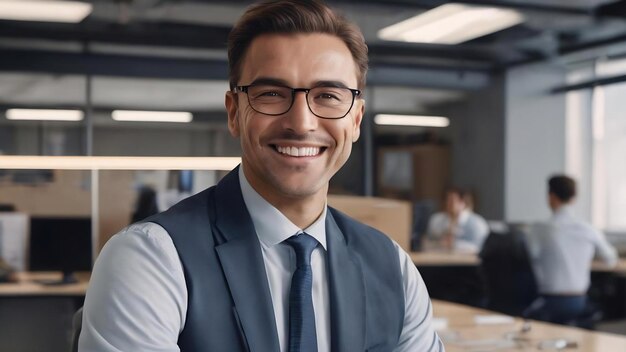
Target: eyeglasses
pixel 324 102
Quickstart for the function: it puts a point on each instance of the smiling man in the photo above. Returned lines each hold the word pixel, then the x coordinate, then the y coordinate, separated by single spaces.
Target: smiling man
pixel 260 262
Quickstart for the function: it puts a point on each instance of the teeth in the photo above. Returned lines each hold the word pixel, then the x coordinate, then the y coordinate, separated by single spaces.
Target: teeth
pixel 293 151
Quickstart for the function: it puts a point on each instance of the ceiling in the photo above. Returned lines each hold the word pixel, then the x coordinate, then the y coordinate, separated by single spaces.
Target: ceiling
pixel 170 54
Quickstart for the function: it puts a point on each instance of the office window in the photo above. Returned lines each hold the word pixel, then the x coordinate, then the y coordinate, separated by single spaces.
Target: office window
pixel 613 138
pixel 203 99
pixel 25 90
pixel 596 145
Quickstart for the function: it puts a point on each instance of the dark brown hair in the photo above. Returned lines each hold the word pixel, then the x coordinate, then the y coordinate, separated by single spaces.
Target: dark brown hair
pixel 292 17
pixel 464 194
pixel 563 187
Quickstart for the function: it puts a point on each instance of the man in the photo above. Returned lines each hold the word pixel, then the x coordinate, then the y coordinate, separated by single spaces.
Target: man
pixel 259 262
pixel 458 227
pixel 561 252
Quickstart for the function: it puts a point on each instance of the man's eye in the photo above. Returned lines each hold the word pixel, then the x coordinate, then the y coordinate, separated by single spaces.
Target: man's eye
pixel 269 92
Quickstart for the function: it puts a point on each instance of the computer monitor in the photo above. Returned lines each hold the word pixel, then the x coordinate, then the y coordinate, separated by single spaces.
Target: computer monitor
pixel 60 244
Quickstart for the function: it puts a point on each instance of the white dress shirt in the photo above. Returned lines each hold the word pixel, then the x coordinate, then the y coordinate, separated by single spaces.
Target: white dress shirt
pixel 562 250
pixel 470 233
pixel 137 296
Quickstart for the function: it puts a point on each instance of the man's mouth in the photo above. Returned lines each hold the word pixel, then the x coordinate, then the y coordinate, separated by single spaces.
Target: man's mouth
pixel 299 151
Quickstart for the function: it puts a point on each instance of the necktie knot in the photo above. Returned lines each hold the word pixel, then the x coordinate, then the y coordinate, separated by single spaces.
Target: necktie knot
pixel 303 244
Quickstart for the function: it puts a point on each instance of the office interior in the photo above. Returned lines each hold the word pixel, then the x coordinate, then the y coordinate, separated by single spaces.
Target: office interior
pixel 511 107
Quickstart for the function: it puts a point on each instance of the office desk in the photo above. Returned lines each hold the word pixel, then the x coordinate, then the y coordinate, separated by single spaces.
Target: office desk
pixel 447 258
pixel 456 277
pixel 619 269
pixel 444 258
pixel 464 334
pixel 36 317
pixel 27 286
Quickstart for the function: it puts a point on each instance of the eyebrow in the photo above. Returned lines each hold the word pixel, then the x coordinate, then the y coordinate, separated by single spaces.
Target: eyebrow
pixel 283 83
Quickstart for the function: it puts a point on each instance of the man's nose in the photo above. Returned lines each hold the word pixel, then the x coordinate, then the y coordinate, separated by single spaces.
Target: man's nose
pixel 299 118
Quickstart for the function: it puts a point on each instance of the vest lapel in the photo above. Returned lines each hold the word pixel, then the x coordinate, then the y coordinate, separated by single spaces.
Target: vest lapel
pixel 240 254
pixel 347 293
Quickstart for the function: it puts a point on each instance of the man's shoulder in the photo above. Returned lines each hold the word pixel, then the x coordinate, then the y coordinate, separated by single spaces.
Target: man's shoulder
pixel 577 224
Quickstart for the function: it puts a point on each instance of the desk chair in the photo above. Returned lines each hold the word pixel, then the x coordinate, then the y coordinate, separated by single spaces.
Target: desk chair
pixel 505 266
pixel 77 324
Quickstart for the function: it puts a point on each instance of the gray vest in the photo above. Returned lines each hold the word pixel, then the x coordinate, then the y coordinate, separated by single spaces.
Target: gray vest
pixel 229 303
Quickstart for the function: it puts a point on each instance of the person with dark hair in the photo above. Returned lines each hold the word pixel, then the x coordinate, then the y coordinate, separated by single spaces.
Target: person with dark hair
pixel 561 252
pixel 259 262
pixel 457 227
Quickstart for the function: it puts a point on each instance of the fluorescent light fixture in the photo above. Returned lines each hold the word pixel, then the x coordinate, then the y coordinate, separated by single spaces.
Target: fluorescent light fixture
pixel 411 120
pixel 152 116
pixel 44 11
pixel 452 24
pixel 45 114
pixel 117 163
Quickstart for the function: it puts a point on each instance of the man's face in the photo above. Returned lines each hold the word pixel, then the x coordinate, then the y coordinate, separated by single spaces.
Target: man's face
pixel 269 142
pixel 454 203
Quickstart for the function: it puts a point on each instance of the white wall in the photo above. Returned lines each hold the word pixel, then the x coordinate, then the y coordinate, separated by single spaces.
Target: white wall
pixel 535 138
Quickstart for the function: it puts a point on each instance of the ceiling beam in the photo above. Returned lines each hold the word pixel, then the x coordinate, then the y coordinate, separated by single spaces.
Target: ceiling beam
pixel 589 84
pixel 112 65
pixel 151 34
pixel 168 35
pixel 427 4
pixel 207 69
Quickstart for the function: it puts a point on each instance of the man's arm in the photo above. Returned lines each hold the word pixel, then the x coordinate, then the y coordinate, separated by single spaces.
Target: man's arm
pixel 605 250
pixel 418 333
pixel 476 231
pixel 137 299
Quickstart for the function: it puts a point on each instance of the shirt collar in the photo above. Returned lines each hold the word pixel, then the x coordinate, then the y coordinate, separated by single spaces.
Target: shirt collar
pixel 564 210
pixel 272 227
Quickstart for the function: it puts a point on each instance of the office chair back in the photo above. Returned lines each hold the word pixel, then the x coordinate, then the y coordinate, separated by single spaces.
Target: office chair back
pixel 505 265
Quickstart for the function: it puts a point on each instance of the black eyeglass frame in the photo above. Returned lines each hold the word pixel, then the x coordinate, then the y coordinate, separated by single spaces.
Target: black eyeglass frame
pixel 355 93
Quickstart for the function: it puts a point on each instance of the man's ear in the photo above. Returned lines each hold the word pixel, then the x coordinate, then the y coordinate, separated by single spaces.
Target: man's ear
pixel 232 109
pixel 358 118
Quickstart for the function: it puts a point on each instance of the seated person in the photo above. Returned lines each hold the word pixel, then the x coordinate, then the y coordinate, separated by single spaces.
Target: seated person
pixel 561 251
pixel 458 227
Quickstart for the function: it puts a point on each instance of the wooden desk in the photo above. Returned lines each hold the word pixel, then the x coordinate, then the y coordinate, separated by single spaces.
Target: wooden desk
pixel 464 334
pixel 26 285
pixel 37 317
pixel 444 258
pixel 620 268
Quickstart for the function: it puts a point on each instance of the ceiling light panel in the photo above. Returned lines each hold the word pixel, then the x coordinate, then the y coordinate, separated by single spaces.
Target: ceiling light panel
pixel 152 116
pixel 44 11
pixel 411 120
pixel 45 114
pixel 452 24
pixel 117 163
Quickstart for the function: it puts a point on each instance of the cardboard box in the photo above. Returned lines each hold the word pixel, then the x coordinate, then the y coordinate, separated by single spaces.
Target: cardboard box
pixel 392 217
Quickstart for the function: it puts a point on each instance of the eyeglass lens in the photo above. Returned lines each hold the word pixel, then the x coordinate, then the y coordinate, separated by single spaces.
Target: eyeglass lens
pixel 327 102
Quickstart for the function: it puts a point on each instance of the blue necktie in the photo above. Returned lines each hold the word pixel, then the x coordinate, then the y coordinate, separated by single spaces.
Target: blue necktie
pixel 302 336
